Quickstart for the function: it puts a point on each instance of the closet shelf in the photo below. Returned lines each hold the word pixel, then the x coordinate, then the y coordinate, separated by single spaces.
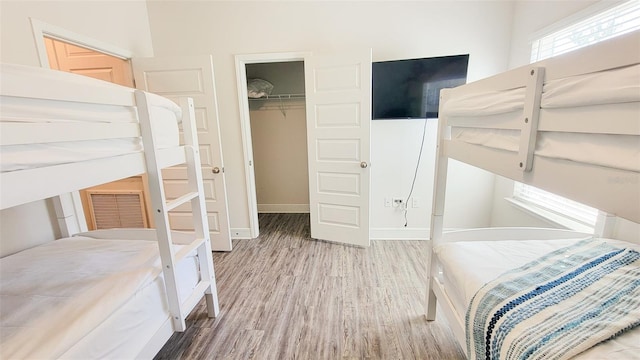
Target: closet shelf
pixel 279 97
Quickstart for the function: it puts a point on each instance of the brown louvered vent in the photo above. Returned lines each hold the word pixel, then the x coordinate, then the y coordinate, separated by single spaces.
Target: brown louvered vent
pixel 117 210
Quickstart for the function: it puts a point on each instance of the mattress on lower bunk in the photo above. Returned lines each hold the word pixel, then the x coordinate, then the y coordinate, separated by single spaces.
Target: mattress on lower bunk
pixel 468 265
pixel 497 111
pixel 132 326
pixel 82 297
pixel 165 116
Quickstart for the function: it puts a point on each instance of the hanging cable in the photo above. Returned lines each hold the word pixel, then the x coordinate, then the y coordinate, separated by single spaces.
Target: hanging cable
pixel 415 174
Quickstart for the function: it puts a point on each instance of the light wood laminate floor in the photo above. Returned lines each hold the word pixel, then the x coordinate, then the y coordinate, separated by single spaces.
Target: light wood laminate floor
pixel 287 296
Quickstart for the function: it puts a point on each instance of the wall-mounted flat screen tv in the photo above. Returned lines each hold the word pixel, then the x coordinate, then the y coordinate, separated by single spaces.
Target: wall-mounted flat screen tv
pixel 410 89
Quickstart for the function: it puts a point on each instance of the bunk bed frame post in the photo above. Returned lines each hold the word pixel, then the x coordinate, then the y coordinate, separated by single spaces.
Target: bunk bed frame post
pixel 437 211
pixel 71 219
pixel 605 225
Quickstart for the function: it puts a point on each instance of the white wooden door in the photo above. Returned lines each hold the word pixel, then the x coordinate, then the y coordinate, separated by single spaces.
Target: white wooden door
pixel 82 61
pixel 338 90
pixel 192 76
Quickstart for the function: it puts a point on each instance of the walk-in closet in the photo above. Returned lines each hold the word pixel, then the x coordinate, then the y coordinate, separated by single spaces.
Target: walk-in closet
pixel 279 136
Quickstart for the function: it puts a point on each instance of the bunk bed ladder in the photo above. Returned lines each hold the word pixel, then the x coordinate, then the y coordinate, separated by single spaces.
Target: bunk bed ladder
pixel 207 284
pixel 169 257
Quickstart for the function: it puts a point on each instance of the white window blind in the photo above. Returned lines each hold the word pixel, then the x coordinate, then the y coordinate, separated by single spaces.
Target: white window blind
pixel 607 24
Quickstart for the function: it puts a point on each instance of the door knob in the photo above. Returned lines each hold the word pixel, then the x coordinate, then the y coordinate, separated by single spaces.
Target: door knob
pixel 215 170
pixel 364 164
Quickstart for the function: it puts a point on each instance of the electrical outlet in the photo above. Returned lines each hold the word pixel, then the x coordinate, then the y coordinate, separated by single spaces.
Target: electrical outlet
pixel 398 203
pixel 415 202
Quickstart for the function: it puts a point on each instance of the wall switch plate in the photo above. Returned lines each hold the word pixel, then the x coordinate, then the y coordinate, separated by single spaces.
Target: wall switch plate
pixel 387 202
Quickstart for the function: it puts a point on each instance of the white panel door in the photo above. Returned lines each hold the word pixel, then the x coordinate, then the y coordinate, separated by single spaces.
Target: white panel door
pixel 338 90
pixel 192 76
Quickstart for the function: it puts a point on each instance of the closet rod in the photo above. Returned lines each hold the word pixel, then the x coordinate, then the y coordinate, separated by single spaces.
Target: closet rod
pixel 280 97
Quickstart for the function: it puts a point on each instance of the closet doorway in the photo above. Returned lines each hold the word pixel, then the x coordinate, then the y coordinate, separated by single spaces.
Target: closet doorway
pixel 273 112
pixel 338 124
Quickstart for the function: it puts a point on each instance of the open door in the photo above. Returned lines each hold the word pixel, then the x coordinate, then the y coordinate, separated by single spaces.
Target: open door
pixel 192 76
pixel 82 61
pixel 338 90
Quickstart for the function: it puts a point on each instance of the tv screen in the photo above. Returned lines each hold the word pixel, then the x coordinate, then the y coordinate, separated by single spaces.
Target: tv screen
pixel 410 89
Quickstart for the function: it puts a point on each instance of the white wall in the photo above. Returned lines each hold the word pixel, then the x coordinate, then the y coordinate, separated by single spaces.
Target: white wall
pixel 394 30
pixel 280 156
pixel 530 17
pixel 121 23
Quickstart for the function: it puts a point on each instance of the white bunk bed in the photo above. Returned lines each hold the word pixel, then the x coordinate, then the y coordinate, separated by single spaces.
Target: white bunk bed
pixel 110 293
pixel 569 125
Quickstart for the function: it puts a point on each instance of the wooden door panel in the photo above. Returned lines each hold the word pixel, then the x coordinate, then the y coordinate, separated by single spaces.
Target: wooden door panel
pixel 193 76
pixel 338 90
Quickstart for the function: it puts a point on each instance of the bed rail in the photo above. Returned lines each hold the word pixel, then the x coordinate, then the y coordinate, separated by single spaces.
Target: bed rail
pixel 45 84
pixel 41 106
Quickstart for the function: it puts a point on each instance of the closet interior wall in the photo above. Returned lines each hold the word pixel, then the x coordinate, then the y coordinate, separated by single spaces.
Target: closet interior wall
pixel 279 139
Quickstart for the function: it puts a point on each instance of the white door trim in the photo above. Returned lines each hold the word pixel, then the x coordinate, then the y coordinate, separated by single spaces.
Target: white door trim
pixel 245 123
pixel 42 29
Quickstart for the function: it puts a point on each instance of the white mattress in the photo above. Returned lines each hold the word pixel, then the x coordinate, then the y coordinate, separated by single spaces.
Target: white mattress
pixel 468 265
pixel 496 108
pixel 165 118
pixel 84 298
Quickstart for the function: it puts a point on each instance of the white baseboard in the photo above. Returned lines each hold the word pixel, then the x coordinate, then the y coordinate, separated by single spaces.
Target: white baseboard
pixel 375 233
pixel 241 233
pixel 283 208
pixel 399 234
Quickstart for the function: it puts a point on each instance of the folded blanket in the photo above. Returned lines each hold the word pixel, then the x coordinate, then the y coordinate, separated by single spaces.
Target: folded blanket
pixel 557 306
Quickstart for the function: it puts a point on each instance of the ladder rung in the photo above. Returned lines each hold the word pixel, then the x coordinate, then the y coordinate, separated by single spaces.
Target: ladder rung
pixel 181 200
pixel 193 299
pixel 186 249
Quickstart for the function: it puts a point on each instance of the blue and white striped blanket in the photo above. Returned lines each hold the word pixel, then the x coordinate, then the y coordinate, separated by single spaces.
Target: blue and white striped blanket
pixel 557 306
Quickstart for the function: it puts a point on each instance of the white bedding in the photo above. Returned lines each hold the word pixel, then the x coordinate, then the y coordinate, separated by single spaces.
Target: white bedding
pixel 131 326
pixel 499 110
pixel 467 266
pixel 165 118
pixel 56 294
